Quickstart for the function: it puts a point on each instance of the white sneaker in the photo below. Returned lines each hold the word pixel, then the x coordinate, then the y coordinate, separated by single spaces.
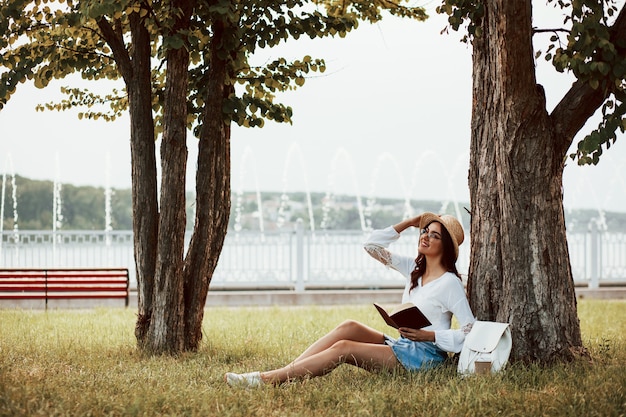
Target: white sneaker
pixel 247 380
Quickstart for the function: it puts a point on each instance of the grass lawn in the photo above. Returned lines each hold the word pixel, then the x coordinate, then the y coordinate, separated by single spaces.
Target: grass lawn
pixel 84 363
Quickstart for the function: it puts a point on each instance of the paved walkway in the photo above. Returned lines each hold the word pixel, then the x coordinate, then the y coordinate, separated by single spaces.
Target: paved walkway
pixel 251 298
pixel 288 298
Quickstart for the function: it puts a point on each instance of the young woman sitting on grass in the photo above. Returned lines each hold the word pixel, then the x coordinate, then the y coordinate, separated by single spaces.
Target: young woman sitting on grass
pixel 432 284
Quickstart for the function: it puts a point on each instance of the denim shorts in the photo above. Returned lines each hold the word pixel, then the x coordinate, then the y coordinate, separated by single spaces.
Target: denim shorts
pixel 415 356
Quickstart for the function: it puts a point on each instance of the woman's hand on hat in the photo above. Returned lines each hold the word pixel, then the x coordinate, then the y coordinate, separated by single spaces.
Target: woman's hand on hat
pixel 415 221
pixel 406 223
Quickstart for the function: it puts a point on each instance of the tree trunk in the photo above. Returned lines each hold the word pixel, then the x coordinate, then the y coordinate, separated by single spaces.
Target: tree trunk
pixel 135 70
pixel 212 192
pixel 519 268
pixel 144 175
pixel 166 330
pixel 172 295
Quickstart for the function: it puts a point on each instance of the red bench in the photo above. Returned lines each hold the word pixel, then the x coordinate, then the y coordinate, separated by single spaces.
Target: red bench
pixel 49 284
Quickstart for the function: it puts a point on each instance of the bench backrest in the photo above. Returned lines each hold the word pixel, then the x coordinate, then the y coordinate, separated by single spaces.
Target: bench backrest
pixel 64 283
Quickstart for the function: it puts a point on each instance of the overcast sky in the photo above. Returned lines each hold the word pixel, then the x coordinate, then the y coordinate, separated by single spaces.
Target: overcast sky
pixel 393 107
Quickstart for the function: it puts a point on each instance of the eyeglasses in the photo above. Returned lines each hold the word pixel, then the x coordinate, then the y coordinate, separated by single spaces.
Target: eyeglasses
pixel 431 235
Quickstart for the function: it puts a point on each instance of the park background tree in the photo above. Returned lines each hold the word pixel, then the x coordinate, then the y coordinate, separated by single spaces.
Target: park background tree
pixel 519 268
pixel 180 62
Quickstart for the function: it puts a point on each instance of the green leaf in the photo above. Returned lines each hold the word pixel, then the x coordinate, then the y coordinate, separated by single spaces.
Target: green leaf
pixel 603 68
pixel 173 42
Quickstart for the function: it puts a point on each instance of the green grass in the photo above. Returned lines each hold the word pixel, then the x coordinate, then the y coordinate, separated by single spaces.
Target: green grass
pixel 84 363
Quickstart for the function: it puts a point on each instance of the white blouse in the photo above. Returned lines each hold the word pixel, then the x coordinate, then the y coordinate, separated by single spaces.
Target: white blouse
pixel 439 300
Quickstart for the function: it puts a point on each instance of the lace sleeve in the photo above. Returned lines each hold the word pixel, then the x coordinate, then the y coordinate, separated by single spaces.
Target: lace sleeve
pixel 466 329
pixel 379 253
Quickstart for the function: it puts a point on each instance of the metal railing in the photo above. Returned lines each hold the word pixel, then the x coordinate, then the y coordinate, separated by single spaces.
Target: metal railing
pixel 297 259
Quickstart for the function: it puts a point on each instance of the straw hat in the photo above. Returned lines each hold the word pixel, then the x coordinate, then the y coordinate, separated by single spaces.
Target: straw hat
pixel 450 223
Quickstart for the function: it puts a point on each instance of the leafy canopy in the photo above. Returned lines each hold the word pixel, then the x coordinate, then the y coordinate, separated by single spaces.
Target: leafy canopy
pixel 42 40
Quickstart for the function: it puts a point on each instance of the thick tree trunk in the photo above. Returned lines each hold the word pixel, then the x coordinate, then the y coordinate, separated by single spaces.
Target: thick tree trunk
pixel 166 330
pixel 212 193
pixel 519 267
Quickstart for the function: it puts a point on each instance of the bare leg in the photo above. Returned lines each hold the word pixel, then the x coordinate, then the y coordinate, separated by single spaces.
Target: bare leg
pixel 350 342
pixel 348 330
pixel 365 355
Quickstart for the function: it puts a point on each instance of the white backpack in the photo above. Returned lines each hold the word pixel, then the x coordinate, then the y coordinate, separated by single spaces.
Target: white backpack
pixel 486 348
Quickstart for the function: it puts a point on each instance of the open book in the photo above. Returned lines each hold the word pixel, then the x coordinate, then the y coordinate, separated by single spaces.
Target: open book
pixel 405 315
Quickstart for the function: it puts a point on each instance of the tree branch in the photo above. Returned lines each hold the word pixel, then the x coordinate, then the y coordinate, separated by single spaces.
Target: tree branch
pixel 85 52
pixel 582 101
pixel 120 53
pixel 148 7
pixel 535 30
pixel 573 111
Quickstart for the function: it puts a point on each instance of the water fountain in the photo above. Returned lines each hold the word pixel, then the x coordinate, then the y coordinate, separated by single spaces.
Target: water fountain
pixel 247 159
pixel 452 198
pixel 108 193
pixel 284 199
pixel 10 169
pixel 450 173
pixel 57 215
pixel 409 186
pixel 371 199
pixel 342 167
pixel 329 199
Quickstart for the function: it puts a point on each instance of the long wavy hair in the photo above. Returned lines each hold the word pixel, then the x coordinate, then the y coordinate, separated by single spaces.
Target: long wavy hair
pixel 449 262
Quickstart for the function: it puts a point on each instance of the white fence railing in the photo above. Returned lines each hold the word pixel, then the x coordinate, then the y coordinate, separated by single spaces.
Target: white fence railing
pixel 297 259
